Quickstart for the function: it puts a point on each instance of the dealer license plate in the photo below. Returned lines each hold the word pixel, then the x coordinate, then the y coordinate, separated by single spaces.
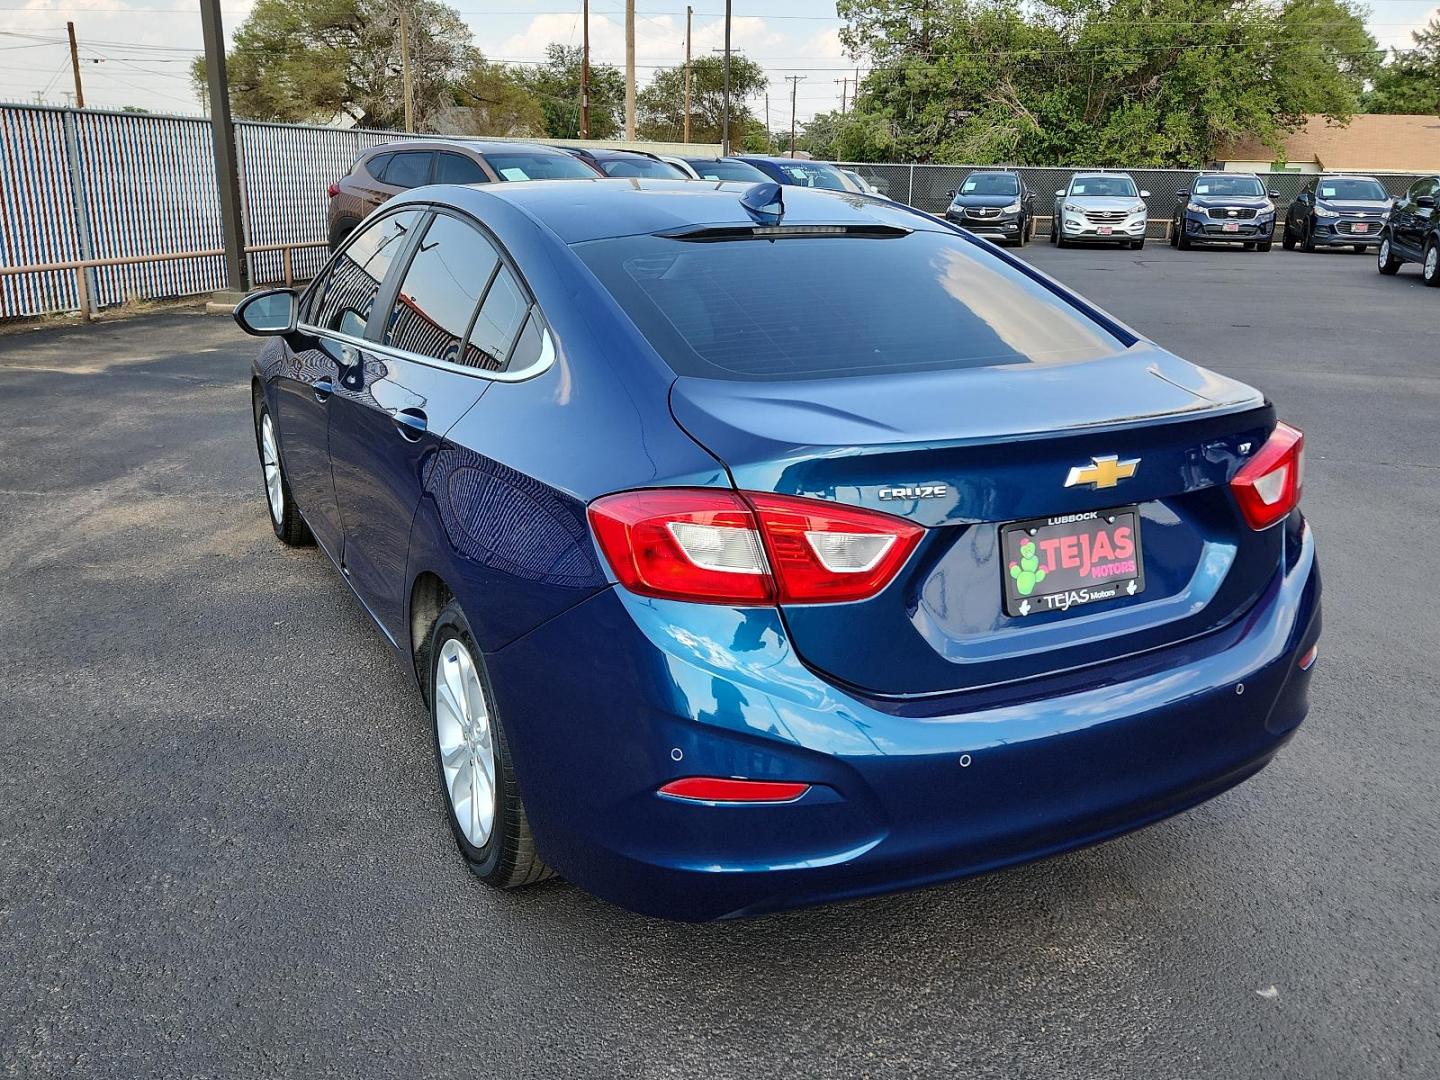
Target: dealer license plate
pixel 1104 230
pixel 1230 226
pixel 1071 560
pixel 1360 226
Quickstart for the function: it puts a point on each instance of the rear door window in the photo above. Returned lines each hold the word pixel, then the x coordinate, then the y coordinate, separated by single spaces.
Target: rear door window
pixel 442 287
pixel 818 307
pixel 342 300
pixel 458 169
pixel 409 169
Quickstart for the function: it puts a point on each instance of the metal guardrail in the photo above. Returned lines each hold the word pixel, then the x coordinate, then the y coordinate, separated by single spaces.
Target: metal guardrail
pixel 79 266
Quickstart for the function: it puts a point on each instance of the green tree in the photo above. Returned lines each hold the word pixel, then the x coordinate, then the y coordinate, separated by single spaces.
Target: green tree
pixel 556 85
pixel 1078 82
pixel 1410 82
pixel 660 106
pixel 313 60
pixel 496 101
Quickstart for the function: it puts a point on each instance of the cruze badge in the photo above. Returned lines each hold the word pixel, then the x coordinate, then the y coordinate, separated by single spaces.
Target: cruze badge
pixel 1104 471
pixel 915 491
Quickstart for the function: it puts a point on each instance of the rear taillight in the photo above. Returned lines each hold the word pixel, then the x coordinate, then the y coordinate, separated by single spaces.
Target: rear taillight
pixel 726 547
pixel 333 190
pixel 1267 487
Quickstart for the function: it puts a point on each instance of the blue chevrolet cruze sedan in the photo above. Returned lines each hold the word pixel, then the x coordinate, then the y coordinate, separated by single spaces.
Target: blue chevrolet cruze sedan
pixel 755 546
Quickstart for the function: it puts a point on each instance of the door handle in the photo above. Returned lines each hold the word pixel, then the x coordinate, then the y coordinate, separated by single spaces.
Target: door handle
pixel 411 423
pixel 323 389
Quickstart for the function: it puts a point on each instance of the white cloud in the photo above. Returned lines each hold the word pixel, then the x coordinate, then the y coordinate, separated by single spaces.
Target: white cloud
pixel 1399 36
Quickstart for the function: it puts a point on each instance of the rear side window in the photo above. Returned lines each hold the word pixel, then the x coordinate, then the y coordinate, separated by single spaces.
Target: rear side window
pixel 458 169
pixel 813 174
pixel 377 164
pixel 407 170
pixel 442 287
pixel 727 170
pixel 819 307
pixel 342 301
pixel 497 324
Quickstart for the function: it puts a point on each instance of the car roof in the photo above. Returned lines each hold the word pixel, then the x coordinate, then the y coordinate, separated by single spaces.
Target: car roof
pixel 479 146
pixel 1345 176
pixel 580 210
pixel 598 152
pixel 1103 172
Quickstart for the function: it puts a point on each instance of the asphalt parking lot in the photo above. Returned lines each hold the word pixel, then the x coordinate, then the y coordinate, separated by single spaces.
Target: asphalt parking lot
pixel 222 849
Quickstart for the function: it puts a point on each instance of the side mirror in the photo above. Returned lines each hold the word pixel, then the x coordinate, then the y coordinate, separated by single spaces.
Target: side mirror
pixel 950 194
pixel 268 314
pixel 1144 194
pixel 1060 192
pixel 1273 193
pixel 1425 202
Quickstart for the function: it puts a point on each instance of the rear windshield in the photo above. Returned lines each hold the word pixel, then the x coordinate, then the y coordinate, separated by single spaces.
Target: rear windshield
pixel 523 166
pixel 641 166
pixel 990 184
pixel 1358 190
pixel 813 174
pixel 820 307
pixel 1228 185
pixel 726 170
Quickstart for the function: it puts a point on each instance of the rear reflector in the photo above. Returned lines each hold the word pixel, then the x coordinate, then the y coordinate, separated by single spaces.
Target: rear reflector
pixel 1268 486
pixel 332 190
pixel 722 789
pixel 726 547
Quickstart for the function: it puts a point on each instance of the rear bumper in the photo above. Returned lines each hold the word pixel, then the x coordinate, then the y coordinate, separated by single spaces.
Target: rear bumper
pixel 651 691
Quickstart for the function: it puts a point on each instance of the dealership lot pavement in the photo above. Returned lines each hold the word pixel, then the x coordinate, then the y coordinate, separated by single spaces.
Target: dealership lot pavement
pixel 222 850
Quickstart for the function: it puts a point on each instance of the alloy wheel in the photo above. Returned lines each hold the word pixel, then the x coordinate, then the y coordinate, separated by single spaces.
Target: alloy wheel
pixel 270 462
pixel 466 740
pixel 1432 262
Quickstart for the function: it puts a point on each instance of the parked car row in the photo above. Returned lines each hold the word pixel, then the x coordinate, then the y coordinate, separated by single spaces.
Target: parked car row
pixel 384 171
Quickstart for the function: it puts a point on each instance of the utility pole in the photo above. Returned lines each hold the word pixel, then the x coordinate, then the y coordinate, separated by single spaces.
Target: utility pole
pixel 407 84
pixel 227 176
pixel 844 85
pixel 630 70
pixel 794 81
pixel 75 66
pixel 585 78
pixel 689 14
pixel 725 129
pixel 767 122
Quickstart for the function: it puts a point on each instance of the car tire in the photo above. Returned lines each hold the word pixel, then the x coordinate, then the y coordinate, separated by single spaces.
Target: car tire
pixel 1020 239
pixel 1385 259
pixel 1358 249
pixel 1430 266
pixel 1183 241
pixel 1307 243
pixel 1136 245
pixel 340 229
pixel 1264 245
pixel 285 517
pixel 473 763
pixel 1174 235
pixel 1248 246
pixel 1286 240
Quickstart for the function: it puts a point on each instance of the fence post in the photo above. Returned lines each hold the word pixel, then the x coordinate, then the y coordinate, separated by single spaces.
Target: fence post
pixel 86 282
pixel 910 198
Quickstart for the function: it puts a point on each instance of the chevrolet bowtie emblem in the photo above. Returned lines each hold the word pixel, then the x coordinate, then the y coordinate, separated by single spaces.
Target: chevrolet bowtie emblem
pixel 1104 471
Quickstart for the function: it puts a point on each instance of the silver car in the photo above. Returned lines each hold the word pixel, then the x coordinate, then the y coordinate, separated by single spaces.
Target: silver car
pixel 1100 208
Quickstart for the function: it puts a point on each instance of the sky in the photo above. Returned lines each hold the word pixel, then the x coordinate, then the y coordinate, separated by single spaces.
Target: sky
pixel 136 52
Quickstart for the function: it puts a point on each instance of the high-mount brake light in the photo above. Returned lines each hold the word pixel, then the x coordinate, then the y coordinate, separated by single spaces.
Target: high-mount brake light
pixel 726 547
pixel 1268 486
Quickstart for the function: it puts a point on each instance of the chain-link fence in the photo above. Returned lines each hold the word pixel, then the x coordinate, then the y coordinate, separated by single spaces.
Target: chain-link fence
pixel 929 187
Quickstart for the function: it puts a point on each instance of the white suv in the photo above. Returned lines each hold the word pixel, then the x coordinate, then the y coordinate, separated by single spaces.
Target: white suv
pixel 1100 207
